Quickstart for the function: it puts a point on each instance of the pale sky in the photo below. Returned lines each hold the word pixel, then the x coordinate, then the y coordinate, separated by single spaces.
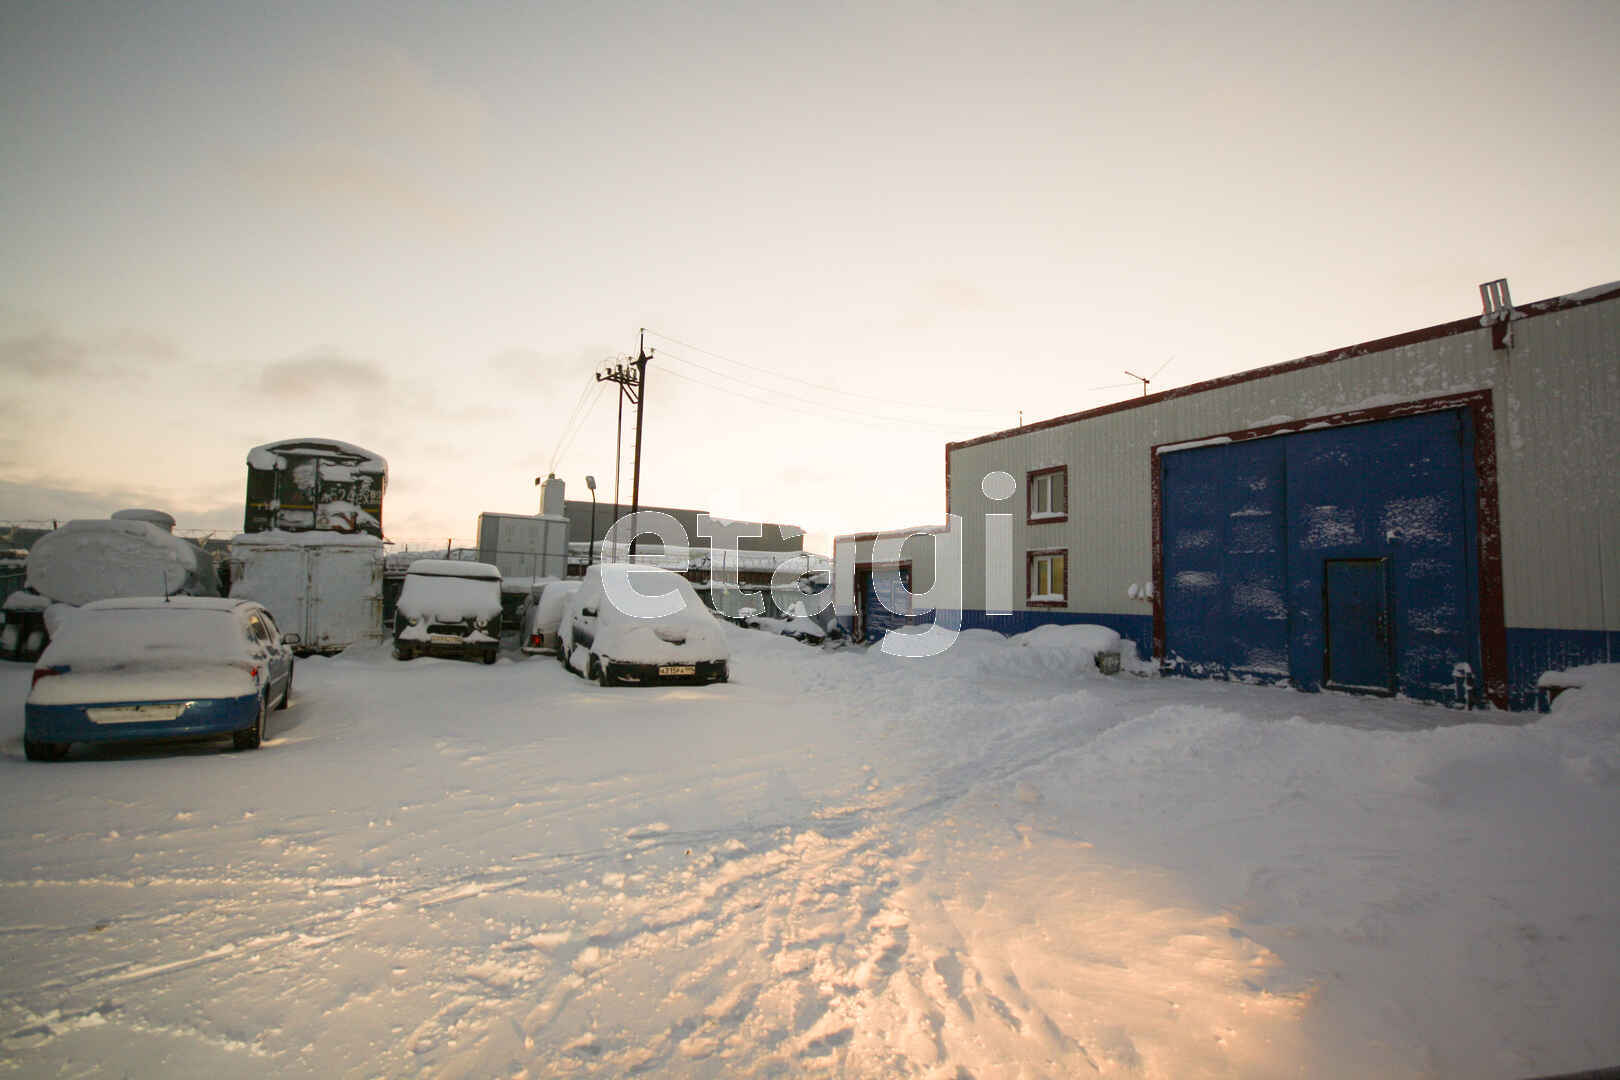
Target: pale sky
pixel 420 228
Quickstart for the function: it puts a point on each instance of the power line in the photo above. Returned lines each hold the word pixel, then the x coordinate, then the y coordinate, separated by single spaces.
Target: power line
pixel 579 427
pixel 817 409
pixel 568 426
pixel 807 382
pixel 781 394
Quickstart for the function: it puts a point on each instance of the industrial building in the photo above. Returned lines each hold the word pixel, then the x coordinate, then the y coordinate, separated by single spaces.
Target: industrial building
pixel 591 524
pixel 1434 515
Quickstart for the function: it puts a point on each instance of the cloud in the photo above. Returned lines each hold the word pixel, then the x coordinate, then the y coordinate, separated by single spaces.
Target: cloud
pixel 384 94
pixel 533 371
pixel 377 129
pixel 320 372
pixel 48 354
pixel 49 501
pixel 946 296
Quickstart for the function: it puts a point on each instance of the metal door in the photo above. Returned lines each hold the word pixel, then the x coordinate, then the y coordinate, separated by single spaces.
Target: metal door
pixel 1357 651
pixel 344 597
pixel 884 601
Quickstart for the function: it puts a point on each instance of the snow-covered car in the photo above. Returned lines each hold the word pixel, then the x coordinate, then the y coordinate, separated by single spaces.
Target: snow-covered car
pixel 640 624
pixel 158 668
pixel 543 615
pixel 449 608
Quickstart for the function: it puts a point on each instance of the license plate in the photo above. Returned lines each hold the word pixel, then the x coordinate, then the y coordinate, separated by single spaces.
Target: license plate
pixel 677 669
pixel 444 639
pixel 135 714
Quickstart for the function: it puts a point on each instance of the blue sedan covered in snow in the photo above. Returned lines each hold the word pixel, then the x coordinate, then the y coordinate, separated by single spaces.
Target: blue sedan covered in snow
pixel 158 668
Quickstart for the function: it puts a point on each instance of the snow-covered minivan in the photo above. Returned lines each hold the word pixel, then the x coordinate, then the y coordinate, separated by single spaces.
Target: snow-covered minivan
pixel 640 624
pixel 449 608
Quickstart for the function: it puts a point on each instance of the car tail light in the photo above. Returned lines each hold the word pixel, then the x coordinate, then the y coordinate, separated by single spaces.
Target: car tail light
pixel 46 672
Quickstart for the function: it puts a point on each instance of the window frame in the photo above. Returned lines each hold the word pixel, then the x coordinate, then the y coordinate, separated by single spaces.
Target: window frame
pixel 1031 484
pixel 1031 599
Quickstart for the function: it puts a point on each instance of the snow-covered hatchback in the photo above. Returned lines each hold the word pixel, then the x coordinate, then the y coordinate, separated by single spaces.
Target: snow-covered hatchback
pixel 641 624
pixel 158 668
pixel 449 608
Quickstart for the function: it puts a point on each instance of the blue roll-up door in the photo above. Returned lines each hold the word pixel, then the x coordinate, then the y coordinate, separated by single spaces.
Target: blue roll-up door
pixel 1371 525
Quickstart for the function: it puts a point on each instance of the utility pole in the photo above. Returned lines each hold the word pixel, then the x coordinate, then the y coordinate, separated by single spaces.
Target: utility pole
pixel 632 384
pixel 642 356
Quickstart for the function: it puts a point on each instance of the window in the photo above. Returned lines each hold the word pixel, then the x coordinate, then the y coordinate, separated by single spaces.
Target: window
pixel 1048 495
pixel 257 631
pixel 1047 581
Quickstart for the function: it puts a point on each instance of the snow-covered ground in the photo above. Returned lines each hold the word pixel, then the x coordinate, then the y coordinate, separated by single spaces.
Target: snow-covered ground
pixel 992 863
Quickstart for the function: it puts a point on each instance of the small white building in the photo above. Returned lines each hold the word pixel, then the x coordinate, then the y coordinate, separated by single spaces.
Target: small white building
pixel 1434 514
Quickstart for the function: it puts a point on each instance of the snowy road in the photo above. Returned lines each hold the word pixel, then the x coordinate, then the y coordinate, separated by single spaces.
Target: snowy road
pixel 993 863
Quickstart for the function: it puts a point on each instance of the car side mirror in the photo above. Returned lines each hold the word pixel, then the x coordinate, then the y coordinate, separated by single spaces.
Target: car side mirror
pixel 291 639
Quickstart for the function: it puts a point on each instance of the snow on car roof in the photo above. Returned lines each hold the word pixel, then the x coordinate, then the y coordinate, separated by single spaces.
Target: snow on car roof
pixel 194 603
pixel 454 568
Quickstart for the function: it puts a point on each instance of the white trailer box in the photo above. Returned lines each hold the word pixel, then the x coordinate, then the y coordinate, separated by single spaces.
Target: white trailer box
pixel 524 545
pixel 324 586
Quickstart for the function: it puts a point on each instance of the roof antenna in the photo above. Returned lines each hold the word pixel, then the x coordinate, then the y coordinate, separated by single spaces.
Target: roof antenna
pixel 1150 378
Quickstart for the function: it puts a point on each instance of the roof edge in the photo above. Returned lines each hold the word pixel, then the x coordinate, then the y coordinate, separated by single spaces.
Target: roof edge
pixel 1583 297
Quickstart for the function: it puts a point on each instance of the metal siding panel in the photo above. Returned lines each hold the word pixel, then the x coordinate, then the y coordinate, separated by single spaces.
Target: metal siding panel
pixel 1559 401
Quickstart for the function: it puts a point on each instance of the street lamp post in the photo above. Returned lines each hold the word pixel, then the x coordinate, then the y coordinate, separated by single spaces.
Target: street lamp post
pixel 590 548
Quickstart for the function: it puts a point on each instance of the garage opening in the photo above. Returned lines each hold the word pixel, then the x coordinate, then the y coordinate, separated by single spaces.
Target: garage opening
pixel 1344 557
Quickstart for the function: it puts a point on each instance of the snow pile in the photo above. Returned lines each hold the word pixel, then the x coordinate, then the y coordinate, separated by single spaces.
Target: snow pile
pixel 92 560
pixel 797 626
pixel 1048 651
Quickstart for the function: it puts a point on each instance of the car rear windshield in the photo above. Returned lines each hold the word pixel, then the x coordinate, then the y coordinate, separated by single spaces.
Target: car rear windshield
pixel 157 635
